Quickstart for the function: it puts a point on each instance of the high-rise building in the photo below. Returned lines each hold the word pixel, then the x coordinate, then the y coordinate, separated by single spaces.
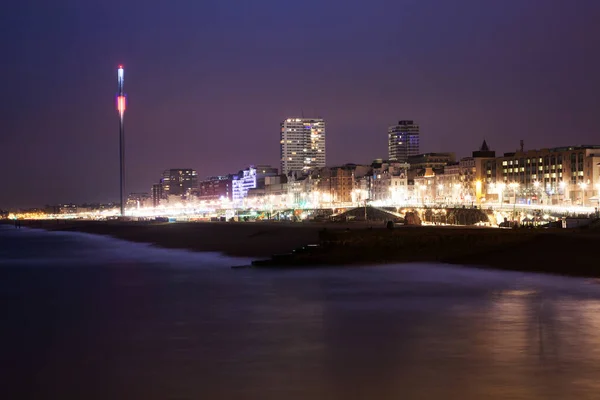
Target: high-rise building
pixel 403 141
pixel 158 194
pixel 302 144
pixel 179 182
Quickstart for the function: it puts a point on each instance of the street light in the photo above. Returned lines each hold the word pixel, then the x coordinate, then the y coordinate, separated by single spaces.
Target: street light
pixel 440 191
pixel 514 186
pixel 536 185
pixel 583 186
pixel 501 186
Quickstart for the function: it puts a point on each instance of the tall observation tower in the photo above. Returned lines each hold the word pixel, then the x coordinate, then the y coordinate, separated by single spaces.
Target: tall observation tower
pixel 121 104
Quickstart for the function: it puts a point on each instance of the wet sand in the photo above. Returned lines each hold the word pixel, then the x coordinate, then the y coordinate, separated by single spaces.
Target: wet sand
pixel 242 239
pixel 557 251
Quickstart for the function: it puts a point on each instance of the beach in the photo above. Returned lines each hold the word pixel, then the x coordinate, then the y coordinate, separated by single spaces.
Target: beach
pixel 557 251
pixel 238 239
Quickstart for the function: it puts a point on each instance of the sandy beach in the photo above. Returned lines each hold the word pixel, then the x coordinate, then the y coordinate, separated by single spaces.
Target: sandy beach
pixel 557 251
pixel 242 239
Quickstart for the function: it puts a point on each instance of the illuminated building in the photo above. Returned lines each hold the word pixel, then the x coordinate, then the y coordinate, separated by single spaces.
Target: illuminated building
pixel 179 182
pixel 389 181
pixel 403 141
pixel 556 175
pixel 302 144
pixel 337 184
pixel 216 188
pixel 138 199
pixel 68 209
pixel 250 178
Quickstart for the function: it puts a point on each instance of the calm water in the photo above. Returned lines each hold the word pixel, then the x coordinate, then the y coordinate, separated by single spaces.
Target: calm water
pixel 85 317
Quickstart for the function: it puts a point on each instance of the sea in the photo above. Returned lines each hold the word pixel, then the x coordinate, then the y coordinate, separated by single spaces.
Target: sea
pixel 93 317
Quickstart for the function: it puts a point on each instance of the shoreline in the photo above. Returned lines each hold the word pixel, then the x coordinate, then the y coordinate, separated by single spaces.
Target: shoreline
pixel 235 239
pixel 571 252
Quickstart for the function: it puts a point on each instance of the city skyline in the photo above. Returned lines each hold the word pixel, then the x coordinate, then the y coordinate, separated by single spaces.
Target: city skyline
pixel 489 72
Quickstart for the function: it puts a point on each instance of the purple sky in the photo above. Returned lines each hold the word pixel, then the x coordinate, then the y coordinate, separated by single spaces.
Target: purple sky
pixel 209 81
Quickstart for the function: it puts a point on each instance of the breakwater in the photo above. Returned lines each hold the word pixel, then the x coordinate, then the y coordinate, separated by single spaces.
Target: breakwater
pixel 566 252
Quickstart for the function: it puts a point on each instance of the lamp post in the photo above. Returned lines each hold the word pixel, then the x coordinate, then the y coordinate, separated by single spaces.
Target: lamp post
pixel 562 186
pixel 583 186
pixel 501 186
pixel 536 185
pixel 514 186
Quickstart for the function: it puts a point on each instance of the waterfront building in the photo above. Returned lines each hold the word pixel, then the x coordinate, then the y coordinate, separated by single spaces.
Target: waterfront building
pixel 216 188
pixel 450 184
pixel 273 186
pixel 567 175
pixel 338 185
pixel 298 186
pixel 302 144
pixel 179 182
pixel 430 160
pixel 138 200
pixel 436 161
pixel 473 172
pixel 439 178
pixel 250 178
pixel 68 209
pixel 389 182
pixel 403 141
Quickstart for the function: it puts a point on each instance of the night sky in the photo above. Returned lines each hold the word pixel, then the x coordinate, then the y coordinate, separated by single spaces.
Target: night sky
pixel 208 83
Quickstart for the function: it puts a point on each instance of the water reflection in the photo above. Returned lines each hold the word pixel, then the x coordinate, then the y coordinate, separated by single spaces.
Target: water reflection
pixel 155 324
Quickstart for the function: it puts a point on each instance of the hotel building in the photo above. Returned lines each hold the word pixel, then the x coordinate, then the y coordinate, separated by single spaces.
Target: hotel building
pixel 302 144
pixel 562 174
pixel 403 141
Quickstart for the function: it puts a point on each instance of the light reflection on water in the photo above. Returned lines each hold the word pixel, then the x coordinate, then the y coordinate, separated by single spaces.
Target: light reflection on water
pixel 97 318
